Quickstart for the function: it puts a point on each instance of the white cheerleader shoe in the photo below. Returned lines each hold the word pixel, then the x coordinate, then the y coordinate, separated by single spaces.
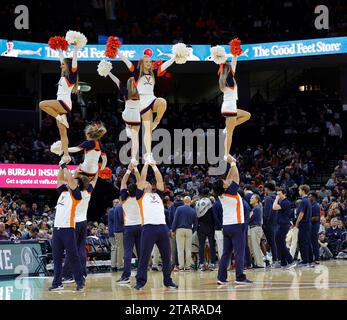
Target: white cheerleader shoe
pixel 134 162
pixel 128 131
pixel 63 120
pixel 229 158
pixel 66 159
pixel 149 159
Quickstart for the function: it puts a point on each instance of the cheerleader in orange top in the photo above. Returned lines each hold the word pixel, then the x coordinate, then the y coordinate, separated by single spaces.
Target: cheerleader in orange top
pixel 227 84
pixel 93 149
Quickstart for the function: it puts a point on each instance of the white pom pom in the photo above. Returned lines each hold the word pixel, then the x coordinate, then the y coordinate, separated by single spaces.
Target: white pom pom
pixel 104 68
pixel 218 54
pixel 181 53
pixel 56 148
pixel 76 37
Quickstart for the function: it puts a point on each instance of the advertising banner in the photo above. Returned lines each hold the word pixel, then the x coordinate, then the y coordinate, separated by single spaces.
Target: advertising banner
pixel 29 175
pixel 18 258
pixel 259 51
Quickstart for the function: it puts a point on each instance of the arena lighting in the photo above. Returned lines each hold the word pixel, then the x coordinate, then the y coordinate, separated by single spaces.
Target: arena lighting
pixel 301 88
pixel 84 87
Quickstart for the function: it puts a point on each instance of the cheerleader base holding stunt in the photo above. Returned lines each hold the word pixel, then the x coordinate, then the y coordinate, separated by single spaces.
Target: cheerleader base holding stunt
pixel 61 107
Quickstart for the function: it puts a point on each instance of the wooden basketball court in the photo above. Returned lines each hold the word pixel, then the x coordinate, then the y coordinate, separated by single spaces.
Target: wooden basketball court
pixel 325 282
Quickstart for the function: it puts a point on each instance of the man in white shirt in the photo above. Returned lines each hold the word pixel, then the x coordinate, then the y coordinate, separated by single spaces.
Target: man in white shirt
pixel 154 228
pixel 334 129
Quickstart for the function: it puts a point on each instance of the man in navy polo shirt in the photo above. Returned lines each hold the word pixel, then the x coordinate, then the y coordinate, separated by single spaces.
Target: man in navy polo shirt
pixel 270 226
pixel 315 222
pixel 256 231
pixel 283 207
pixel 303 222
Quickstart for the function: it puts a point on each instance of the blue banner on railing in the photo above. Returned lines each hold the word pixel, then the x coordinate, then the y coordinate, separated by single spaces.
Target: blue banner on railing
pixel 288 49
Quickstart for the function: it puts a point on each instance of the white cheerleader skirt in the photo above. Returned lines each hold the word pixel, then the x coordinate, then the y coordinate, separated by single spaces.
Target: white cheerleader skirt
pixel 131 114
pixel 229 108
pixel 89 169
pixel 65 102
pixel 147 101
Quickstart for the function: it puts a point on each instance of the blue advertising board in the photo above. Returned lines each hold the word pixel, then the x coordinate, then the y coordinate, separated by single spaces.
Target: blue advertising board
pixel 259 51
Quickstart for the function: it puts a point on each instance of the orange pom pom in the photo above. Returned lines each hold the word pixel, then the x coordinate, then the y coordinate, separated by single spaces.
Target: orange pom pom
pixel 57 42
pixel 112 46
pixel 105 174
pixel 235 47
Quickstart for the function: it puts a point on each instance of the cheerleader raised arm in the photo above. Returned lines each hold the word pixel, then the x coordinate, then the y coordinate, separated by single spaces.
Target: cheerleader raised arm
pixel 131 114
pixel 144 78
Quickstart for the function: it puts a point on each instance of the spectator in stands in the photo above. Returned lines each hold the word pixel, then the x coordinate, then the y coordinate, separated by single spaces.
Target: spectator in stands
pixel 32 235
pixel 34 211
pixel 322 225
pixel 343 250
pixel 193 185
pixel 3 234
pixel 334 133
pixel 22 229
pixel 13 229
pixel 332 182
pixel 94 232
pixel 334 236
pixel 324 251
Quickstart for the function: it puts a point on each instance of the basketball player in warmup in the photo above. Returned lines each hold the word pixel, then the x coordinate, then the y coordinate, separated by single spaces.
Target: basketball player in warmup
pixel 70 197
pixel 234 239
pixel 132 221
pixel 93 150
pixel 144 76
pixel 131 114
pixel 233 115
pixel 154 230
pixel 80 232
pixel 62 106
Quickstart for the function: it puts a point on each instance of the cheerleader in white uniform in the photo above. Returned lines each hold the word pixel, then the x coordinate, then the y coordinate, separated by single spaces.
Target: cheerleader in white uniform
pixel 144 77
pixel 233 115
pixel 62 106
pixel 131 114
pixel 93 150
